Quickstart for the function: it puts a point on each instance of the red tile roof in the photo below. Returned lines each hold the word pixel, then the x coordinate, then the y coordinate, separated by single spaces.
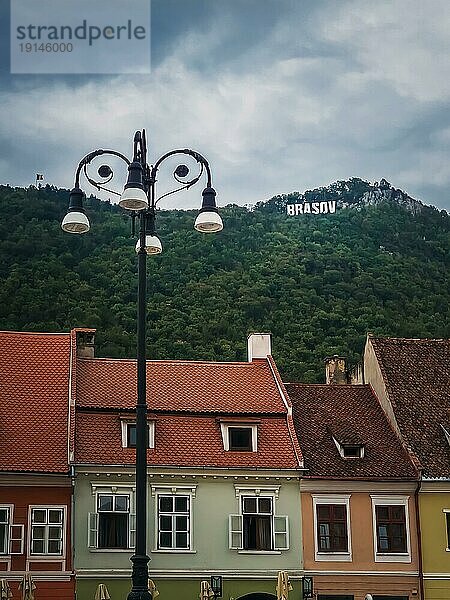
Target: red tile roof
pixel 34 376
pixel 352 414
pixel 417 377
pixel 180 386
pixel 182 440
pixel 187 397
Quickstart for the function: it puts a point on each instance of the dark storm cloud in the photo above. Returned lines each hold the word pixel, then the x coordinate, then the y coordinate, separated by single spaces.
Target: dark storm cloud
pixel 279 95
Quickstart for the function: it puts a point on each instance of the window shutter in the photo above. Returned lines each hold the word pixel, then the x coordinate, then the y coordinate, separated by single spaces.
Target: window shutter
pixel 92 530
pixel 132 526
pixel 16 539
pixel 235 536
pixel 281 532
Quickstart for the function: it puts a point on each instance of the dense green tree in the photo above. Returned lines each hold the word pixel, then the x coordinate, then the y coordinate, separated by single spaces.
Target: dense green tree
pixel 318 283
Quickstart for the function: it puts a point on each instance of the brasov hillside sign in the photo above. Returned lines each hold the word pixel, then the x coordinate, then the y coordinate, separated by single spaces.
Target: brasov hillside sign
pixel 311 208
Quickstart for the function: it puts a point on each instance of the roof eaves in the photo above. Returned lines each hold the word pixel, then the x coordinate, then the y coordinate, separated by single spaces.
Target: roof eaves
pixel 288 404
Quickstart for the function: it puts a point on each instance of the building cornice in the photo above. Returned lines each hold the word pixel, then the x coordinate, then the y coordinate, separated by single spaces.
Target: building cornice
pixel 34 480
pixel 344 486
pixel 191 473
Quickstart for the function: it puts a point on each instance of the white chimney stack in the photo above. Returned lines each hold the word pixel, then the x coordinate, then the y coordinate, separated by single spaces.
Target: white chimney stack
pixel 259 346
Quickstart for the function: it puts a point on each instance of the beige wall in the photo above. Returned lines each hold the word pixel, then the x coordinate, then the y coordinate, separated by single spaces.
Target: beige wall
pixel 373 376
pixel 362 574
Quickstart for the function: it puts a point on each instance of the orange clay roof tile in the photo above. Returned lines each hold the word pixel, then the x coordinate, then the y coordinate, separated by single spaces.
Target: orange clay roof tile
pixel 34 375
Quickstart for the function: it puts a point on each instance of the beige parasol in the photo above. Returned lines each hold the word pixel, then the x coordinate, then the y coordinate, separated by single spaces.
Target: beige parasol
pixel 101 593
pixel 283 586
pixel 27 587
pixel 5 590
pixel 152 588
pixel 206 591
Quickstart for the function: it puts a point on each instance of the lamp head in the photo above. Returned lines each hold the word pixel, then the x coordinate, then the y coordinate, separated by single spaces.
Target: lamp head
pixel 133 196
pixel 208 219
pixel 153 244
pixel 76 220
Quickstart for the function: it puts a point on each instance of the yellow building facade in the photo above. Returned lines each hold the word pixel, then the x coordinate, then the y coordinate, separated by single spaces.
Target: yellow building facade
pixel 434 509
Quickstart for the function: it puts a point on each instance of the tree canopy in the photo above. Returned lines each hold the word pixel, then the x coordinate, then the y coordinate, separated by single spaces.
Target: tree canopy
pixel 318 283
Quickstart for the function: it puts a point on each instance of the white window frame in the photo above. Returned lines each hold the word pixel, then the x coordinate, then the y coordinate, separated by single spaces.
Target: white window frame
pixel 225 427
pixel 8 525
pixel 13 533
pixel 92 522
pixel 124 428
pixel 399 557
pixel 277 520
pixel 446 512
pixel 341 449
pixel 340 556
pixel 47 555
pixel 174 490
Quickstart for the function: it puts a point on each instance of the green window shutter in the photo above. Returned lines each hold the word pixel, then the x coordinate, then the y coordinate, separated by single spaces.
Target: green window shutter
pixel 281 532
pixel 132 526
pixel 16 539
pixel 92 530
pixel 235 536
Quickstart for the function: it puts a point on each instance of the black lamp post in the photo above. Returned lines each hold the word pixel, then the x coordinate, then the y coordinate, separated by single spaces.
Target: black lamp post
pixel 140 198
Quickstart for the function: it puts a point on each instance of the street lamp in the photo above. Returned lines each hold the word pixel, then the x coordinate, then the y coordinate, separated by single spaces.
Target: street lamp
pixel 139 197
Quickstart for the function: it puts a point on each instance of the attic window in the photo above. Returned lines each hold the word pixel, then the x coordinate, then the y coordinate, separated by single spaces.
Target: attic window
pixel 353 451
pixel 129 434
pixel 349 450
pixel 239 437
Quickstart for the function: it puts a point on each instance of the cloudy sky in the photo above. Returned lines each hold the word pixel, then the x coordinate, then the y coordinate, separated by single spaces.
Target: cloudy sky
pixel 279 95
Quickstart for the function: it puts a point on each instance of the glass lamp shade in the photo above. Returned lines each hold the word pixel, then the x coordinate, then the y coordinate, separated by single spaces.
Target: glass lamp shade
pixel 75 222
pixel 152 244
pixel 133 198
pixel 208 221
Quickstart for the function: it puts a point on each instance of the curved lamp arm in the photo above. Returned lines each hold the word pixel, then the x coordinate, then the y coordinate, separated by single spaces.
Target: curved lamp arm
pixel 104 171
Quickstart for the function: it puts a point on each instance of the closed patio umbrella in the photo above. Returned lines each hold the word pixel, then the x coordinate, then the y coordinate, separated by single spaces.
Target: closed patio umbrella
pixel 206 591
pixel 152 588
pixel 27 587
pixel 101 593
pixel 5 590
pixel 283 586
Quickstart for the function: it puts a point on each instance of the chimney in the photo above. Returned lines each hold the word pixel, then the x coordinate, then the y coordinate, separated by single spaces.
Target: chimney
pixel 259 346
pixel 335 372
pixel 85 342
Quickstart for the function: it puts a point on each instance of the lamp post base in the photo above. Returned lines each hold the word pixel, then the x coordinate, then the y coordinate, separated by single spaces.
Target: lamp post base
pixel 139 576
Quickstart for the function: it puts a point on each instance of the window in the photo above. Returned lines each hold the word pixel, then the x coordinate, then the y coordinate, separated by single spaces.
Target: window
pixel 257 528
pixel 4 530
pixel 257 523
pixel 391 528
pixel 173 522
pixel 129 434
pixel 239 437
pixel 173 517
pixel 347 450
pixel 391 532
pixel 11 535
pixel 112 526
pixel 332 527
pixel 47 530
pixel 447 523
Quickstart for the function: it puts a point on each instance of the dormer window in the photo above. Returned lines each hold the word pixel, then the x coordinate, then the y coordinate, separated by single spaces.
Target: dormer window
pixel 129 434
pixel 240 439
pixel 349 450
pixel 239 436
pixel 355 451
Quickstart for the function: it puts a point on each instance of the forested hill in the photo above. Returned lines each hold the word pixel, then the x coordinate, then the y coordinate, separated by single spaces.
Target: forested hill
pixel 318 283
